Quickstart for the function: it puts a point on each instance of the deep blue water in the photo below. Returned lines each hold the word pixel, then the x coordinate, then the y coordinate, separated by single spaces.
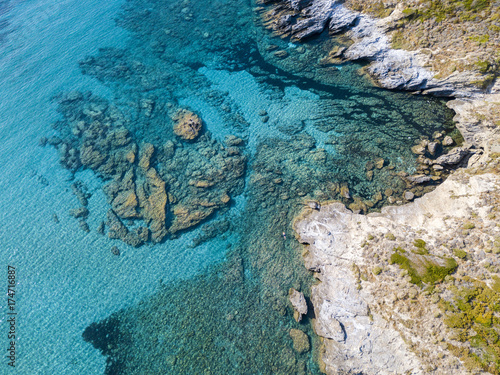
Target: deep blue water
pixel 209 297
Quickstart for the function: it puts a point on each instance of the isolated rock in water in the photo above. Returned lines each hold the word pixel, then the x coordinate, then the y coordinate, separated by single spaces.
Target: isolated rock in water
pixel 84 226
pixel 300 340
pixel 187 124
pixel 298 302
pixel 454 157
pixel 80 212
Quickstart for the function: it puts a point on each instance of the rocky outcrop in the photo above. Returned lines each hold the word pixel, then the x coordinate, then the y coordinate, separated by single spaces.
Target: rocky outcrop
pixel 364 319
pixel 303 19
pixel 146 184
pixel 390 68
pixel 366 324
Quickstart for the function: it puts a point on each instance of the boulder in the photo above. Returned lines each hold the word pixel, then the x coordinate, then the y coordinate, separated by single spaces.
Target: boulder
pixel 321 13
pixel 80 212
pixel 115 250
pixel 344 191
pixel 454 157
pixel 447 141
pixel 90 157
pixel 125 204
pixel 408 195
pixel 117 230
pixel 298 302
pixel 232 140
pixel 419 178
pixel 432 147
pixel 188 216
pixel 418 149
pixel 281 54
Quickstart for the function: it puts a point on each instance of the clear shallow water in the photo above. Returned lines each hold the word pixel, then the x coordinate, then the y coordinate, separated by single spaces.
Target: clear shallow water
pixel 213 296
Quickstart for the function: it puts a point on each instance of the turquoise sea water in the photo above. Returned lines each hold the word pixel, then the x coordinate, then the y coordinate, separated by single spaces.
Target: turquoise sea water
pixel 210 298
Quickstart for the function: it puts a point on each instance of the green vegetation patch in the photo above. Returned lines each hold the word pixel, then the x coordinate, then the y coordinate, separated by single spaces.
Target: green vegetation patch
pixel 471 315
pixel 459 253
pixel 420 247
pixel 419 243
pixel 423 268
pixel 469 225
pixel 480 39
pixel 440 10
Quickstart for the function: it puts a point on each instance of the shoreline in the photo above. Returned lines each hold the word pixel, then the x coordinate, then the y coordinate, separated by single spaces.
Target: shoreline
pixel 362 305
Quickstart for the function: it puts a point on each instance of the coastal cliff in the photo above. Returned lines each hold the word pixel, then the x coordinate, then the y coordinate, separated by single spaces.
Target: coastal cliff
pixel 415 288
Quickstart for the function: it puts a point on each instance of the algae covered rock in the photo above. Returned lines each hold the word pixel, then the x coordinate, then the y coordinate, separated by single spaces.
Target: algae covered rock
pixel 125 204
pixel 187 124
pixel 153 200
pixel 188 216
pixel 300 340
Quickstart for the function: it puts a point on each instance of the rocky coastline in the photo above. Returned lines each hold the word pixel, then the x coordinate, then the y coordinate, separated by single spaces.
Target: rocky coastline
pixel 378 308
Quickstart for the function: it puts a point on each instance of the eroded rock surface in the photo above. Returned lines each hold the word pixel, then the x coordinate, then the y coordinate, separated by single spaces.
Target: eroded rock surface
pixel 372 321
pixel 187 124
pixel 298 302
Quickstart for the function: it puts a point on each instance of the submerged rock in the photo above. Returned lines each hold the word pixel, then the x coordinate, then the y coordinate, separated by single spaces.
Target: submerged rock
pixel 84 226
pixel 80 212
pixel 300 340
pixel 186 217
pixel 187 124
pixel 153 200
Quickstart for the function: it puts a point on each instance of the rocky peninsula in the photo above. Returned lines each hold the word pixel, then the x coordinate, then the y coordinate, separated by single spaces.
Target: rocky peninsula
pixel 414 288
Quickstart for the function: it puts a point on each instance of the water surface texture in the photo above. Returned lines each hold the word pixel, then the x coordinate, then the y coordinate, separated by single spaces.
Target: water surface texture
pixel 145 247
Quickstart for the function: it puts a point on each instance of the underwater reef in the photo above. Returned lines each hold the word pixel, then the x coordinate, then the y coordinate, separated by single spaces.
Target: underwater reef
pixel 218 127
